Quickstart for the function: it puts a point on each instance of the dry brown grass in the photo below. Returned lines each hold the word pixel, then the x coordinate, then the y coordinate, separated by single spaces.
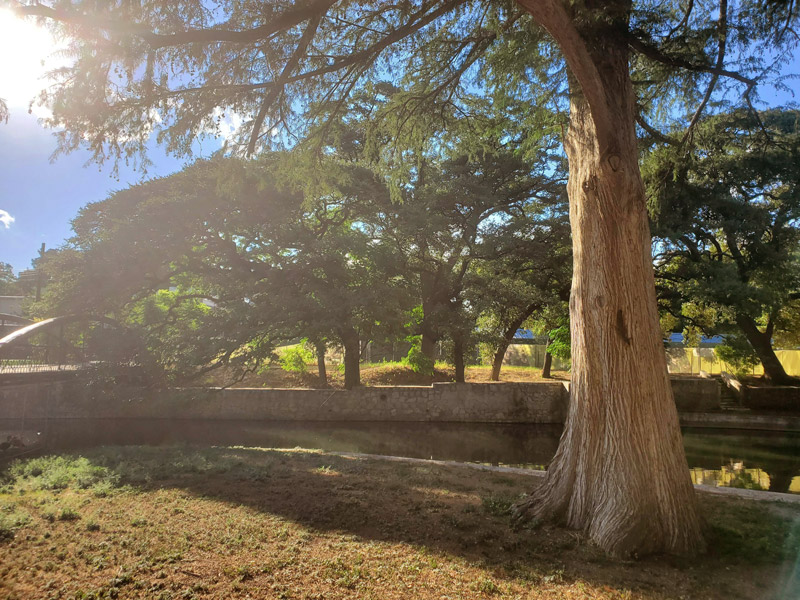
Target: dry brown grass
pixel 224 523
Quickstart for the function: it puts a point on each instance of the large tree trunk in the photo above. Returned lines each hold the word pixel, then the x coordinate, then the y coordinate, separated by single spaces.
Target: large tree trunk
pixel 620 473
pixel 548 362
pixel 428 330
pixel 458 358
pixel 352 359
pixel 497 361
pixel 320 347
pixel 428 345
pixel 508 335
pixel 762 344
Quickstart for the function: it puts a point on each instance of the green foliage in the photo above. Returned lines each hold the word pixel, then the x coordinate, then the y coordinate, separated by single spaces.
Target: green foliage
pixel 416 359
pixel 738 353
pixel 560 344
pixel 8 281
pixel 11 519
pixel 59 472
pixel 498 506
pixel 295 359
pixel 753 536
pixel 725 212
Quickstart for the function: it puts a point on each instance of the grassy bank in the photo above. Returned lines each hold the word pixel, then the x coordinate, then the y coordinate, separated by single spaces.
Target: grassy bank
pixel 389 373
pixel 182 522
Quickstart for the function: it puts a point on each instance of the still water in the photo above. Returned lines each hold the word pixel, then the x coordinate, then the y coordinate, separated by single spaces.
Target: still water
pixel 752 459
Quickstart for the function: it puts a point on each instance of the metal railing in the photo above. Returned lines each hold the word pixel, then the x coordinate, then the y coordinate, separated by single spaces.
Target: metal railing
pixel 65 344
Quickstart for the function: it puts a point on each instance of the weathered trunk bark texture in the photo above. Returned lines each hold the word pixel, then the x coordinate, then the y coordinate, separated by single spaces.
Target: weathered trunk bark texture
pixel 352 359
pixel 320 347
pixel 497 361
pixel 762 344
pixel 620 473
pixel 548 363
pixel 508 335
pixel 458 358
pixel 428 344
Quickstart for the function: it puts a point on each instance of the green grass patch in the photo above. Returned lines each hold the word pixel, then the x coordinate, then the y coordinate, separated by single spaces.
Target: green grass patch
pixel 755 534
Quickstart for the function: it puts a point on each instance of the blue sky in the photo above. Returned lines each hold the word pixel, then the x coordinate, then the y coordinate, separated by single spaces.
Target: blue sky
pixel 39 198
pixel 42 196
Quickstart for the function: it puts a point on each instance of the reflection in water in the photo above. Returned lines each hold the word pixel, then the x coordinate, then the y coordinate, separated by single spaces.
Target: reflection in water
pixel 748 459
pixel 733 475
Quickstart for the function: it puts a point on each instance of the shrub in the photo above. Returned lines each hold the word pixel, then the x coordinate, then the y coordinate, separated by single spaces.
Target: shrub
pixel 296 358
pixel 415 359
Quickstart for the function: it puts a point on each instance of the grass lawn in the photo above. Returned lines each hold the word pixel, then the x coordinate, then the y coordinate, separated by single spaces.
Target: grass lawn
pixel 182 522
pixel 389 373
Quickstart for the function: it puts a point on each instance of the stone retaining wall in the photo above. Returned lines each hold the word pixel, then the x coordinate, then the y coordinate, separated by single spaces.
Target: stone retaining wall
pixel 542 402
pixel 785 398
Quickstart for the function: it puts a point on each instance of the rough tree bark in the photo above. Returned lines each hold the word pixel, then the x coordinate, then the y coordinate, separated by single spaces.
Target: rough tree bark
pixel 761 341
pixel 508 335
pixel 320 347
pixel 620 473
pixel 352 358
pixel 548 362
pixel 497 361
pixel 458 358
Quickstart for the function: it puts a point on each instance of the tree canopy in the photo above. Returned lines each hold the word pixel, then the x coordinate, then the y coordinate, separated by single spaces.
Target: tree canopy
pixel 177 70
pixel 727 217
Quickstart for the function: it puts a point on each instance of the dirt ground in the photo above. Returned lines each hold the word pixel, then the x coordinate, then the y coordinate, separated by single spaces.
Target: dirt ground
pixel 221 523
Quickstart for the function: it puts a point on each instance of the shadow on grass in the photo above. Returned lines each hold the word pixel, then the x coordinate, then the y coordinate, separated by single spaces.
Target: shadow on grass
pixel 458 512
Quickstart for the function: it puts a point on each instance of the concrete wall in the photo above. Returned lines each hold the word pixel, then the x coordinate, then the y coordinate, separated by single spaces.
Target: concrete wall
pixel 544 402
pixel 695 394
pixel 772 398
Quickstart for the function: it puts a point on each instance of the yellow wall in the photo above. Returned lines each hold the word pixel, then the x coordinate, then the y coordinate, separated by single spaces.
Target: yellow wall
pixel 681 360
pixel 693 360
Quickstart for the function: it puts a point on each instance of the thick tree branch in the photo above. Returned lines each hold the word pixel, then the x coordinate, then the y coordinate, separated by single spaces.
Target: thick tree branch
pixel 552 15
pixel 655 133
pixel 302 45
pixel 282 22
pixel 654 53
pixel 722 32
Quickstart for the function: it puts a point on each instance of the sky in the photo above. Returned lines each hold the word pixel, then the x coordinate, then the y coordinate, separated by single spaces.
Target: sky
pixel 39 197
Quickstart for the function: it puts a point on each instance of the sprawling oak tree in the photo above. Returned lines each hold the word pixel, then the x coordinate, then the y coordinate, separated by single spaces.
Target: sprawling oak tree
pixel 726 215
pixel 179 68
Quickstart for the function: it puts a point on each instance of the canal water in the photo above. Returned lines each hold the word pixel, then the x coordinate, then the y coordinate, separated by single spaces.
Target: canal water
pixel 750 459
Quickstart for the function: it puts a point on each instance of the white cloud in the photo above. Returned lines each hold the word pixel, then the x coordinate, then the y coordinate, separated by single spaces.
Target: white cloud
pixel 5 218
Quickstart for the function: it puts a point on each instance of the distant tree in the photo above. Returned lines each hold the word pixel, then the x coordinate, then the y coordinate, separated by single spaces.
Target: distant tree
pixel 727 217
pixel 525 274
pixel 253 261
pixel 458 186
pixel 9 286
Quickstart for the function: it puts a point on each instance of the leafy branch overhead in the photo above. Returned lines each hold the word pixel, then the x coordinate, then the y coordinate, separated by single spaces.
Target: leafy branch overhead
pixel 179 70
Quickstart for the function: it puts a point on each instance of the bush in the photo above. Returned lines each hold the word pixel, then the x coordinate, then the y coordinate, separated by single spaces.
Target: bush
pixel 296 358
pixel 415 359
pixel 560 343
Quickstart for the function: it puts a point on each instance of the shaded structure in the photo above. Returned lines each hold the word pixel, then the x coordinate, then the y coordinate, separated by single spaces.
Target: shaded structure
pixel 10 322
pixel 67 343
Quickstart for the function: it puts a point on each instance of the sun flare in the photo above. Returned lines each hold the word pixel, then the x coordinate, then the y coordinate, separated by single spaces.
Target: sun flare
pixel 26 50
